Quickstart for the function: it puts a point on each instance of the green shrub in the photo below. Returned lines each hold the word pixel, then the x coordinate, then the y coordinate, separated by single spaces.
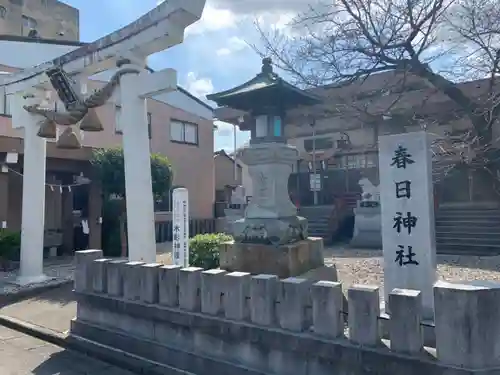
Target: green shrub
pixel 10 244
pixel 204 249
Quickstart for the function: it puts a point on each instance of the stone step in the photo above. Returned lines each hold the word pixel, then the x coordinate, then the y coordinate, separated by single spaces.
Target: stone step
pixel 467 249
pixel 472 230
pixel 317 219
pixel 472 216
pixel 318 233
pixel 320 221
pixel 315 230
pixel 492 235
pixel 467 223
pixel 319 225
pixel 475 241
pixel 462 210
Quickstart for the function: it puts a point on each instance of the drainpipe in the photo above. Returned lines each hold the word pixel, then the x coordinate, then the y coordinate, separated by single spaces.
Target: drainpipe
pixel 240 121
pixel 315 192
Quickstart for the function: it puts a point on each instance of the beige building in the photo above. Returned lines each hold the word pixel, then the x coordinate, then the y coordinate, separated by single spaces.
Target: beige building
pixel 228 175
pixel 225 172
pixel 47 19
pixel 181 128
pixel 344 129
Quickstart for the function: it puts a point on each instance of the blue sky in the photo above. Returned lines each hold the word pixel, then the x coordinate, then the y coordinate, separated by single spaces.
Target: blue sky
pixel 214 56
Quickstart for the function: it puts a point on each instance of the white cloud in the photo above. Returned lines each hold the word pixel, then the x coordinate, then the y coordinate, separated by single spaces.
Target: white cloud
pixel 224 129
pixel 224 136
pixel 199 87
pixel 253 7
pixel 234 44
pixel 213 19
pixel 223 52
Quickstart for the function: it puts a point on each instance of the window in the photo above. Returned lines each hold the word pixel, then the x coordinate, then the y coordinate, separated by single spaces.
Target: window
pixel 29 23
pixel 3 11
pixel 352 161
pixel 371 160
pixel 184 132
pixel 357 161
pixel 325 143
pixel 118 110
pixel 165 203
pixel 5 105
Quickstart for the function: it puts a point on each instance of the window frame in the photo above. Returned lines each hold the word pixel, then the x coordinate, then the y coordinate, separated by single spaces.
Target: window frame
pixel 29 22
pixel 356 161
pixel 320 143
pixel 183 140
pixel 149 119
pixel 5 107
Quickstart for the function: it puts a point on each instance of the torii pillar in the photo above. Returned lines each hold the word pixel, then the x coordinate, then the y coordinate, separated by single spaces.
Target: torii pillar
pixel 33 203
pixel 134 89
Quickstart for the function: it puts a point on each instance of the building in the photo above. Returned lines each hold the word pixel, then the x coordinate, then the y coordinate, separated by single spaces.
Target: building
pixel 181 128
pixel 342 134
pixel 228 175
pixel 338 138
pixel 47 19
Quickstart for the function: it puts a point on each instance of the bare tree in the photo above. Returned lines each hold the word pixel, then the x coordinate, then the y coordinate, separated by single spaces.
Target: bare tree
pixel 343 42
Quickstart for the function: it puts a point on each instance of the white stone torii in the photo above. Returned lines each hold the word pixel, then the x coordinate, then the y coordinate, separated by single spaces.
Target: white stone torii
pixel 159 29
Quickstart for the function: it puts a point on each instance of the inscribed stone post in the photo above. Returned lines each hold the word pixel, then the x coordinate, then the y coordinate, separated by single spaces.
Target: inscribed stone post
pixel 408 232
pixel 180 227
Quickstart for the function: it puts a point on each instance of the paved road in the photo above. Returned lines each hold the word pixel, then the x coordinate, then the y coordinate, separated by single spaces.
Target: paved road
pixel 25 355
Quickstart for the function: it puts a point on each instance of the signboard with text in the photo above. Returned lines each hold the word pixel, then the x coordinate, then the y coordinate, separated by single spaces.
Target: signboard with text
pixel 408 232
pixel 315 182
pixel 180 227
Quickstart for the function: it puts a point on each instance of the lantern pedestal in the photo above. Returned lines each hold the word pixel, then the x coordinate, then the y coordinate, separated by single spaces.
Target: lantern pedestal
pixel 290 260
pixel 271 217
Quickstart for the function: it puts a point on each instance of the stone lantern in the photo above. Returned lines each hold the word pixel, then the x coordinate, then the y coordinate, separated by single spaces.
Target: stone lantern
pixel 270 223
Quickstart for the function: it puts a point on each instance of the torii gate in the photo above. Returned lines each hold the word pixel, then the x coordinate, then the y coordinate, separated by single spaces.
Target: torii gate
pixel 127 48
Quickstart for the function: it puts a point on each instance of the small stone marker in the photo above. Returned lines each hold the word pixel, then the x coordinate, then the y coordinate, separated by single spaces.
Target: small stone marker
pixel 180 228
pixel 408 233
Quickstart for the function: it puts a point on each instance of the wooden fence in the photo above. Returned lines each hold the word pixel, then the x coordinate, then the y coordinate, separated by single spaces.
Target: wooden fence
pixel 196 226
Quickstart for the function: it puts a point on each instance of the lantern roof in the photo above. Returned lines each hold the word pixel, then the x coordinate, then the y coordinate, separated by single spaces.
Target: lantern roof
pixel 266 89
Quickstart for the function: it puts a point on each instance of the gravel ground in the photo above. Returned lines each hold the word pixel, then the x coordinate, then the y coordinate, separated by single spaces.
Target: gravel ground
pixel 366 266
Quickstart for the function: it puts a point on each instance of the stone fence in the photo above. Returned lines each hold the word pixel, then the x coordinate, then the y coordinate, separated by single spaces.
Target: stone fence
pixel 214 322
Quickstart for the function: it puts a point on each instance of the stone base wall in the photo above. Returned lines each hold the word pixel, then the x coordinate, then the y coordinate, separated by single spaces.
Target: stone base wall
pixel 215 322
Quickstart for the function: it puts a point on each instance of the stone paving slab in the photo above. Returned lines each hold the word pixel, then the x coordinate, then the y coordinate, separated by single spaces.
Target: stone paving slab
pixel 60 271
pixel 24 355
pixel 52 309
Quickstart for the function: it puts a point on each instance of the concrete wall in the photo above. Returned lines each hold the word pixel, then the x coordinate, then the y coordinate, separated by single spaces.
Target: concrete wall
pixel 52 19
pixel 213 322
pixel 224 172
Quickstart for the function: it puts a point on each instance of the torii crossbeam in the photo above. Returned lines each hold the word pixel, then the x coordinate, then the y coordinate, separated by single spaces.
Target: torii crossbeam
pixel 157 30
